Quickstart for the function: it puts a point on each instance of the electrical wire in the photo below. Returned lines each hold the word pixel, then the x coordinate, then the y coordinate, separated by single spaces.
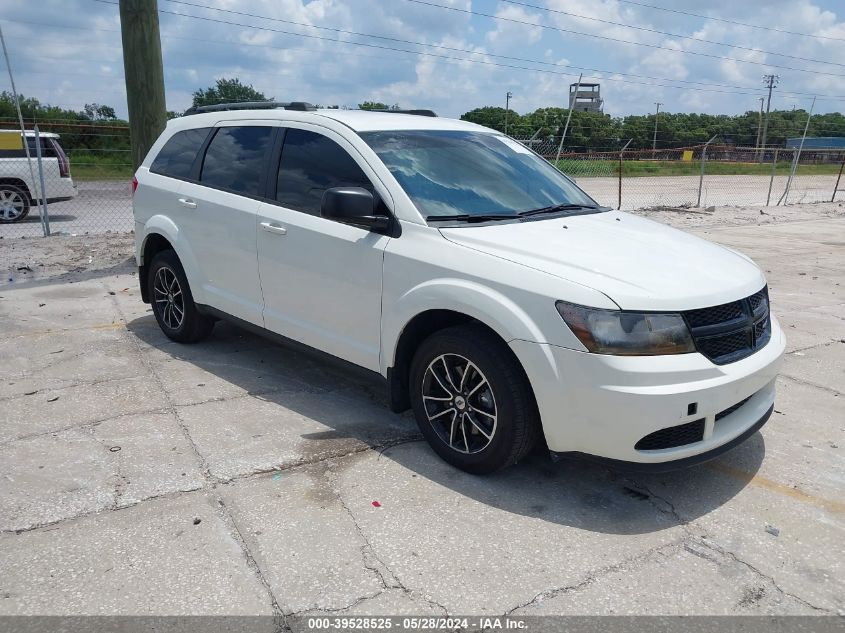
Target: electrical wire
pixel 618 40
pixel 658 32
pixel 734 22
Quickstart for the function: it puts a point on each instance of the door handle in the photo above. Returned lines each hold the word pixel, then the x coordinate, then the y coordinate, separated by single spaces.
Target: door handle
pixel 187 202
pixel 274 228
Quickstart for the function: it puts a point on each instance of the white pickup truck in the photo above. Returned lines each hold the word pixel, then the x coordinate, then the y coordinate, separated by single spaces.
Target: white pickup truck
pixel 18 190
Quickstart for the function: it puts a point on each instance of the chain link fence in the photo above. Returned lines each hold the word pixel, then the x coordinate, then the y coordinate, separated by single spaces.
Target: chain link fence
pixel 701 175
pixel 86 172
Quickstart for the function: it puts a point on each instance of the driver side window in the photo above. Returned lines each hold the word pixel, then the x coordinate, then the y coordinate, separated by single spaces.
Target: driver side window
pixel 310 164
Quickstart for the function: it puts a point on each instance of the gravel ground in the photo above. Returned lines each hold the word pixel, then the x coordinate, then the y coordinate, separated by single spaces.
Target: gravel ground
pixel 75 256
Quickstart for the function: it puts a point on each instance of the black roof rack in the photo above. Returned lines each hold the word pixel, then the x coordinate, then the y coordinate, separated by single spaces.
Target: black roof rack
pixel 417 112
pixel 251 105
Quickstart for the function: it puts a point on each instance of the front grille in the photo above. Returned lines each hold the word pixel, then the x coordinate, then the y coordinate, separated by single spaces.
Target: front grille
pixel 717 314
pixel 729 332
pixel 729 410
pixel 673 436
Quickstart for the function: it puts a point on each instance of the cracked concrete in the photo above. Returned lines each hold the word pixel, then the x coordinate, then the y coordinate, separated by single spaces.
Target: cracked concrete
pixel 236 476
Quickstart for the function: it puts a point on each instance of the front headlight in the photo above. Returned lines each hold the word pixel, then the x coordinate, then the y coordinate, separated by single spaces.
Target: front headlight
pixel 625 333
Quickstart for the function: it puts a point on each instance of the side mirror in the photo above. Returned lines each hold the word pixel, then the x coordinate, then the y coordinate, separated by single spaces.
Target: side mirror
pixel 352 205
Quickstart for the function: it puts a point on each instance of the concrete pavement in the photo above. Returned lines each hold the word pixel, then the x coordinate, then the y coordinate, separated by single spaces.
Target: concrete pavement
pixel 139 476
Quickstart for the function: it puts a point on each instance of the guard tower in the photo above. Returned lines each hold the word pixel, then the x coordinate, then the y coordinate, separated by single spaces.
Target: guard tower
pixel 586 97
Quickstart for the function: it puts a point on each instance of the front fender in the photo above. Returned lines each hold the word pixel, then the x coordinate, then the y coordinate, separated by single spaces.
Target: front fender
pixel 164 226
pixel 487 305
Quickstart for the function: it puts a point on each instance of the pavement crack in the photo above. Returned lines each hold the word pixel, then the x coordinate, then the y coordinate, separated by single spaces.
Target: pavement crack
pixel 810 383
pixel 81 427
pixel 662 504
pixel 370 558
pixel 596 575
pixel 204 467
pixel 108 508
pixel 709 544
pixel 319 459
pixel 279 619
pixel 351 605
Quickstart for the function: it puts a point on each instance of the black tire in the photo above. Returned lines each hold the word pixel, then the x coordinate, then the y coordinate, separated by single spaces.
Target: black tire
pixel 14 203
pixel 167 271
pixel 514 429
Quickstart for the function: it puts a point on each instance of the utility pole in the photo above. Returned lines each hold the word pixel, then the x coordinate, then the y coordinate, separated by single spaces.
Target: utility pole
pixel 771 81
pixel 656 115
pixel 759 124
pixel 508 96
pixel 144 74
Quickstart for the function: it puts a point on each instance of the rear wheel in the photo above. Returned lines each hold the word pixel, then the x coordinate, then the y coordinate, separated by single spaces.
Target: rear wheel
pixel 472 400
pixel 14 204
pixel 173 303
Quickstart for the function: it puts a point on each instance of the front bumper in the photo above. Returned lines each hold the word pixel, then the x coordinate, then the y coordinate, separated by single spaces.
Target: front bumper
pixel 601 406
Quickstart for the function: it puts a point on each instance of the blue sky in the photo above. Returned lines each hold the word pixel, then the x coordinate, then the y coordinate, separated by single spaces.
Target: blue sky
pixel 67 52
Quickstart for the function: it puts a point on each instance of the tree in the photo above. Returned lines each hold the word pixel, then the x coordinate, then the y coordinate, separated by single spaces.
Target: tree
pixel 377 105
pixel 97 112
pixel 228 91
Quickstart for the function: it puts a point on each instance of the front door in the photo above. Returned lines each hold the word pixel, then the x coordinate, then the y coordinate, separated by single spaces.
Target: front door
pixel 321 279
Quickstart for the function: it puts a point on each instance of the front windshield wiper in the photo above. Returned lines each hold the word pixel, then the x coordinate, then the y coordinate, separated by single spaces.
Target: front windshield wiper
pixel 469 217
pixel 557 208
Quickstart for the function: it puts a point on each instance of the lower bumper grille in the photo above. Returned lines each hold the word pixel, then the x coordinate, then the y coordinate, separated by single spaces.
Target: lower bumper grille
pixel 673 436
pixel 729 410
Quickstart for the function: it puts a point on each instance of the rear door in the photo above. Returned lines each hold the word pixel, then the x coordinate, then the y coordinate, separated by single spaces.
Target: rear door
pixel 321 278
pixel 219 215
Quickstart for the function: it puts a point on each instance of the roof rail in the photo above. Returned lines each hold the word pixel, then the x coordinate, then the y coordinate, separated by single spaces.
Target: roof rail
pixel 422 112
pixel 250 105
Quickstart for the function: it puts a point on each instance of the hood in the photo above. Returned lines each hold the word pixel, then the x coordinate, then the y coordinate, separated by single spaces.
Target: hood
pixel 640 264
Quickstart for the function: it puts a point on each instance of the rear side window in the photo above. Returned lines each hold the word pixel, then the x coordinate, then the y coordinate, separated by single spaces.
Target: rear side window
pixel 236 158
pixel 312 163
pixel 177 156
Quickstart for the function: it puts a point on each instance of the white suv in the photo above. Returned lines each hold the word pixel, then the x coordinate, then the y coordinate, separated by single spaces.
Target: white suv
pixel 489 292
pixel 18 191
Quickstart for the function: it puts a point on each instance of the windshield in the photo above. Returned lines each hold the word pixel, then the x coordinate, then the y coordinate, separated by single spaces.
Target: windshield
pixel 448 173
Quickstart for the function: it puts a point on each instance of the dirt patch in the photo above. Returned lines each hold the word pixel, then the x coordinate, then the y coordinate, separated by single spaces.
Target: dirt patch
pixel 682 217
pixel 74 258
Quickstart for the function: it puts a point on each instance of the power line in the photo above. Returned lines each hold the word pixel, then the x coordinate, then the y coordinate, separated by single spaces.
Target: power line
pixel 734 22
pixel 658 32
pixel 423 53
pixel 614 39
pixel 731 89
pixel 443 47
pixel 488 63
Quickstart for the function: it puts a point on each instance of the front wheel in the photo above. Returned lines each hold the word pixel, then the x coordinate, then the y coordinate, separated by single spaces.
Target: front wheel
pixel 173 303
pixel 472 400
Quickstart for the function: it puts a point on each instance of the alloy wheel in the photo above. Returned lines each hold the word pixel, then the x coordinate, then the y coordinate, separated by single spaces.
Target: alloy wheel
pixel 459 403
pixel 169 298
pixel 12 204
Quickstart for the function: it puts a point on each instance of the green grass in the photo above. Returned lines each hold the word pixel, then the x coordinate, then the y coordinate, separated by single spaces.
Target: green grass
pixel 100 166
pixel 639 168
pixel 116 167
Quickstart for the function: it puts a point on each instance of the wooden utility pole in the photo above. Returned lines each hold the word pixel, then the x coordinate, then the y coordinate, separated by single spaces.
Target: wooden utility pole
pixel 771 81
pixel 656 117
pixel 144 74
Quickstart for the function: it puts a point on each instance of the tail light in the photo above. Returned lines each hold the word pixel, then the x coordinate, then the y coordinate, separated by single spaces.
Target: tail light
pixel 134 184
pixel 64 163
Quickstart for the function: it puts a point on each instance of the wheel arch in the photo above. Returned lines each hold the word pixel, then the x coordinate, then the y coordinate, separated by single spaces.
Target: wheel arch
pixel 17 182
pixel 161 233
pixel 423 315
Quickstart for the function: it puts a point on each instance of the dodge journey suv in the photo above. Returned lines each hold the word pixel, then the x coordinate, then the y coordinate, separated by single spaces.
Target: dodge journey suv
pixel 490 294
